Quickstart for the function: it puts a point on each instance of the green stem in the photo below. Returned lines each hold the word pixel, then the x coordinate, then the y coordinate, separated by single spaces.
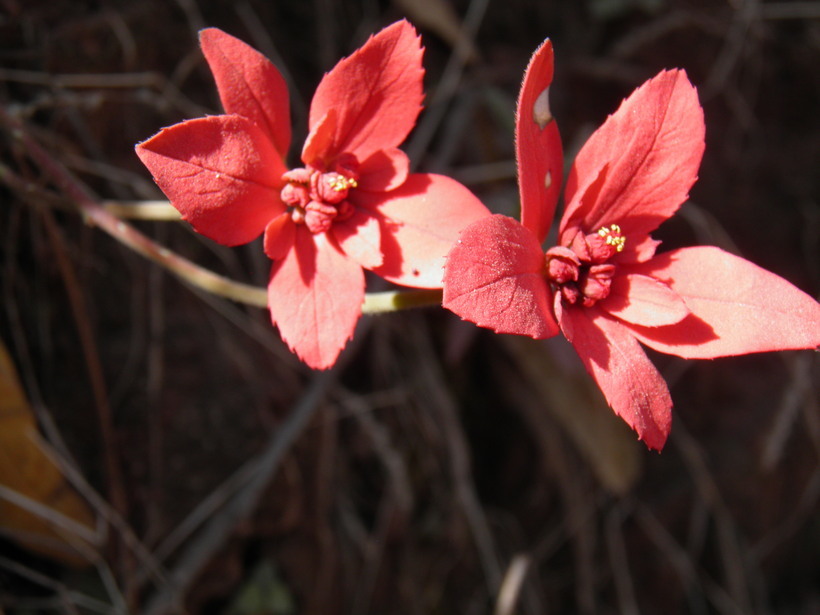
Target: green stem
pixel 394 300
pixel 374 303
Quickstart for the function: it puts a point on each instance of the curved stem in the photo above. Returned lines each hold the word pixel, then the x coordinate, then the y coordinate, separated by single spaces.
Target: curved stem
pixel 374 303
pixel 394 300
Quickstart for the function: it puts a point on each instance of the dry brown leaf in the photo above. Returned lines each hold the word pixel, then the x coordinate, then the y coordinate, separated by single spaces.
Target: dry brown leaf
pixel 610 447
pixel 38 507
pixel 439 17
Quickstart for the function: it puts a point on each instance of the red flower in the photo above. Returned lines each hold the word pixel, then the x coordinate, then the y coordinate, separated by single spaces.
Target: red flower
pixel 603 285
pixel 353 204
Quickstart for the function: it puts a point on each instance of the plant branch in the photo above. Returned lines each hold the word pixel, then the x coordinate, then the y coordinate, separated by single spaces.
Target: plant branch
pixel 105 216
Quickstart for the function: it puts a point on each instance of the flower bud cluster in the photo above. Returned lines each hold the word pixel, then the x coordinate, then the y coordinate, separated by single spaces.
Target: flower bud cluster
pixel 318 199
pixel 581 271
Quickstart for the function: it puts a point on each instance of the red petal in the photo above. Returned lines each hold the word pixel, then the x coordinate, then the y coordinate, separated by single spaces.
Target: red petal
pixel 737 307
pixel 630 383
pixel 641 300
pixel 359 237
pixel 538 145
pixel 640 250
pixel 377 93
pixel 494 277
pixel 220 172
pixel 315 297
pixel 651 148
pixel 249 85
pixel 279 236
pixel 421 220
pixel 385 170
pixel 318 142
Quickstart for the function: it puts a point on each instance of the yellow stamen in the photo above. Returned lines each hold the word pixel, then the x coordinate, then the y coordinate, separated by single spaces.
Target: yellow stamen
pixel 613 236
pixel 341 182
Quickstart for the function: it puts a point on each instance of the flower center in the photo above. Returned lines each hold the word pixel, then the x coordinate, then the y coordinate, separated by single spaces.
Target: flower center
pixel 612 236
pixel 316 198
pixel 581 272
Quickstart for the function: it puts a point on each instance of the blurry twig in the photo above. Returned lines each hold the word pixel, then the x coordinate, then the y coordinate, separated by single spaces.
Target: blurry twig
pixel 240 494
pixel 123 232
pixel 580 504
pixel 374 303
pixel 74 597
pixel 105 81
pixel 790 10
pixel 488 172
pixel 262 41
pixel 440 17
pixel 613 70
pixel 183 268
pixel 147 564
pixel 194 16
pixel 727 534
pixel 707 227
pixel 142 210
pixel 84 80
pixel 54 517
pixel 662 26
pixel 393 462
pixel 395 505
pixel 327 449
pixel 435 384
pixel 115 484
pixel 93 362
pixel 680 560
pixel 118 229
pixel 511 584
pixel 257 330
pixel 448 85
pixel 578 501
pixel 794 397
pixel 606 444
pixel 804 513
pixel 619 563
pixel 733 46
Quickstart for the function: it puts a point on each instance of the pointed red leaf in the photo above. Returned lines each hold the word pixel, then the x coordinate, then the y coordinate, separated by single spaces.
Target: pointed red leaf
pixel 376 91
pixel 249 85
pixel 315 151
pixel 359 237
pixel 420 222
pixel 279 236
pixel 538 145
pixel 385 170
pixel 494 277
pixel 220 172
pixel 641 300
pixel 315 297
pixel 630 383
pixel 737 307
pixel 652 147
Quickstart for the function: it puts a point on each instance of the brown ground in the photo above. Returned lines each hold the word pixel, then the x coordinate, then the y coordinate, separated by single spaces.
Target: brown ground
pixel 439 458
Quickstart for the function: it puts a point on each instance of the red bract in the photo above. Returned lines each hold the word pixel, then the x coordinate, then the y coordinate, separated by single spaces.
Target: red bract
pixel 353 204
pixel 603 285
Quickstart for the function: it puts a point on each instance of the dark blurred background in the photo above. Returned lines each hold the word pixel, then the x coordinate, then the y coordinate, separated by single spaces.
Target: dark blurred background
pixel 441 469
